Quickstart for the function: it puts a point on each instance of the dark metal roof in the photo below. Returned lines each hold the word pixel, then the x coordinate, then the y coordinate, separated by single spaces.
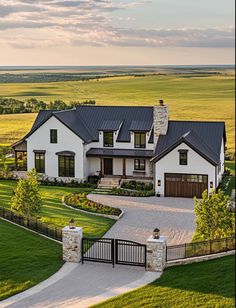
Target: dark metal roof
pixel 110 125
pixel 142 126
pixel 39 151
pixel 204 137
pixel 120 153
pixel 66 153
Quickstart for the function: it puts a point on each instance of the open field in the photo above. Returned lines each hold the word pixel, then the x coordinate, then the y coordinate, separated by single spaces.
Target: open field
pixel 25 258
pixel 53 212
pixel 205 284
pixel 189 97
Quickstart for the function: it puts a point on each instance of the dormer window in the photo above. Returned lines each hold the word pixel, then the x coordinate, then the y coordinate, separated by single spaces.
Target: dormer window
pixel 108 140
pixel 183 157
pixel 140 140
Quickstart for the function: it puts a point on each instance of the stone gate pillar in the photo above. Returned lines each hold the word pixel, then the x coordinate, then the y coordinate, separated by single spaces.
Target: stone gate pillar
pixel 156 254
pixel 72 244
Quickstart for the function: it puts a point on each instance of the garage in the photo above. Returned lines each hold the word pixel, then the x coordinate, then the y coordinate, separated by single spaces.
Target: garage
pixel 185 185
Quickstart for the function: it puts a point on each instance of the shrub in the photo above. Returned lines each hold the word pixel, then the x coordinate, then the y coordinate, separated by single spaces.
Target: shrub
pixel 132 193
pixel 136 185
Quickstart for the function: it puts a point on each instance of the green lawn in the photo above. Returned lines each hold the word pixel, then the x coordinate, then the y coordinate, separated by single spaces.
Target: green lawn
pixel 53 212
pixel 189 97
pixel 205 284
pixel 25 259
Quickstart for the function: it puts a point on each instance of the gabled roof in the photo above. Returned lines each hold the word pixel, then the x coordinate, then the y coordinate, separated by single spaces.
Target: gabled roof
pixel 86 121
pixel 203 137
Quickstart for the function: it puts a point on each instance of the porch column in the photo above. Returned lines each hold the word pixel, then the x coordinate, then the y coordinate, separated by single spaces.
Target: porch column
pixel 124 167
pixel 16 160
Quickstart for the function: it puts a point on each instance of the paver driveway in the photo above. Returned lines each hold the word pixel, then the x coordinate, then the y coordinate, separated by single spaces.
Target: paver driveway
pixel 173 216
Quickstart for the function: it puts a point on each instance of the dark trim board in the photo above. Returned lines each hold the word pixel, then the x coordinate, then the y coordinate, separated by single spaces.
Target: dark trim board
pixel 184 188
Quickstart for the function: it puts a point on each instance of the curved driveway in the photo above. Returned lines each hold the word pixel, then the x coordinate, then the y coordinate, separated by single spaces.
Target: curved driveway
pixel 173 216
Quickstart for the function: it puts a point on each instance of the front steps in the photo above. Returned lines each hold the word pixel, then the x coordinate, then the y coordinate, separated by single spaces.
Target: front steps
pixel 109 183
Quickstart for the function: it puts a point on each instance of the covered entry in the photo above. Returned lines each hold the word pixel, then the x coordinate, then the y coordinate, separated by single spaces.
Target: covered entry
pixel 185 185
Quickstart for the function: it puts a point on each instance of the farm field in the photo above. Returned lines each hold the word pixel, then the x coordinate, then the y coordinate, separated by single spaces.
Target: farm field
pixel 189 96
pixel 204 284
pixel 56 214
pixel 26 259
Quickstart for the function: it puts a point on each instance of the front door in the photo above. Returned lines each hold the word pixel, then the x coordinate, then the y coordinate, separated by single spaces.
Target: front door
pixel 108 168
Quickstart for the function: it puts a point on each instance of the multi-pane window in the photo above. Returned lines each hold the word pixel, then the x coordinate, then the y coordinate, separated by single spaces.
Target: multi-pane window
pixel 108 139
pixel 139 164
pixel 140 140
pixel 53 135
pixel 40 162
pixel 183 157
pixel 66 166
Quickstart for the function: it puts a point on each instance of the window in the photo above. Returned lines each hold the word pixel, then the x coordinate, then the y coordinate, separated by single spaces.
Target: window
pixel 53 135
pixel 108 139
pixel 140 140
pixel 139 164
pixel 183 157
pixel 66 166
pixel 40 162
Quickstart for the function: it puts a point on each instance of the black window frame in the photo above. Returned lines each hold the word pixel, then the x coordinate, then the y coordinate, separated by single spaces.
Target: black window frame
pixel 107 144
pixel 39 162
pixel 53 136
pixel 67 163
pixel 138 140
pixel 183 160
pixel 138 166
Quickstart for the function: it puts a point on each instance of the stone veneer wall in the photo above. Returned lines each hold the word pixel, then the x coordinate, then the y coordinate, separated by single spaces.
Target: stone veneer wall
pixel 156 254
pixel 160 121
pixel 72 244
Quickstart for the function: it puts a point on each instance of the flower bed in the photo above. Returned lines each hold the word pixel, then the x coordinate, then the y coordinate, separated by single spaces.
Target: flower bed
pixel 80 201
pixel 132 193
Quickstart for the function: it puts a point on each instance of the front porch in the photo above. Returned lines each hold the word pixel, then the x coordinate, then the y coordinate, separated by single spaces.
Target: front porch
pixel 20 152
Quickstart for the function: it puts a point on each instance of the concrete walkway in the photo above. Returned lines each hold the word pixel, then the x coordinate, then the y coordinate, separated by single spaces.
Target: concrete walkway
pixel 86 285
pixel 173 216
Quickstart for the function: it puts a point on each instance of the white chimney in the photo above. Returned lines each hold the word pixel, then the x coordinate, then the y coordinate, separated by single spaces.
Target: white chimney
pixel 160 120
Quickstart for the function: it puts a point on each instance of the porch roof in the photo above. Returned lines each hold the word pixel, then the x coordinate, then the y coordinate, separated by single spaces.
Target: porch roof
pixel 119 153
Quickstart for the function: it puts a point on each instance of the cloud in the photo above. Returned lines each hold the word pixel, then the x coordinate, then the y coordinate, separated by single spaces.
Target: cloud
pixel 33 24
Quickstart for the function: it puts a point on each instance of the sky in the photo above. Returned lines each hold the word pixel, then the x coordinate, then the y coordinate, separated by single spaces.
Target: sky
pixel 116 32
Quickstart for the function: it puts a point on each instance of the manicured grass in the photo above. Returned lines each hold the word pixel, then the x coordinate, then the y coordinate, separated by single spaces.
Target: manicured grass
pixel 205 284
pixel 53 212
pixel 25 259
pixel 189 98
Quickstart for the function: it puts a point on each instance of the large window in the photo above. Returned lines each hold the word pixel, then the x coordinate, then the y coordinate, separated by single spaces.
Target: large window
pixel 139 164
pixel 40 162
pixel 183 157
pixel 66 166
pixel 140 140
pixel 108 139
pixel 53 135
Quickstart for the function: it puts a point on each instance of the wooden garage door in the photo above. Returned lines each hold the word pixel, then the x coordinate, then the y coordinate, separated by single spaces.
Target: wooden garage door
pixel 185 185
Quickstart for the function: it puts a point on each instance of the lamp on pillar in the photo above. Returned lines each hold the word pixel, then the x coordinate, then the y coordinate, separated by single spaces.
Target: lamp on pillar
pixel 72 224
pixel 156 233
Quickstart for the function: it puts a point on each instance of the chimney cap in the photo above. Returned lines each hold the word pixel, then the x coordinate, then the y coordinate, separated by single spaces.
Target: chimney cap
pixel 161 102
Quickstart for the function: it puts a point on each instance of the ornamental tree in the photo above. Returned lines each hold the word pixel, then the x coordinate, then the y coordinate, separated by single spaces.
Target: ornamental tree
pixel 27 199
pixel 215 219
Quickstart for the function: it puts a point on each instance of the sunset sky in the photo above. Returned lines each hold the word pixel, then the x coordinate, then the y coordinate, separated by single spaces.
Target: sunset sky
pixel 116 32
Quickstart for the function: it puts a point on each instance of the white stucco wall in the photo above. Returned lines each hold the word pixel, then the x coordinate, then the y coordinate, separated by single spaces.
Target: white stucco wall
pixel 222 161
pixel 170 164
pixel 67 141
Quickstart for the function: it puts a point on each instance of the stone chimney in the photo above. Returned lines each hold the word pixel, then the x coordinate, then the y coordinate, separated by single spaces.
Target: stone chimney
pixel 160 120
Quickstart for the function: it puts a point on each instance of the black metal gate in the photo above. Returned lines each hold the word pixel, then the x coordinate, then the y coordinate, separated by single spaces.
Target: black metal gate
pixel 130 253
pixel 113 251
pixel 98 250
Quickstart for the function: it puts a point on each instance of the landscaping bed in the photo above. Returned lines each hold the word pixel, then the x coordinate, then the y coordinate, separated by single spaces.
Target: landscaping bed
pixel 80 201
pixel 134 189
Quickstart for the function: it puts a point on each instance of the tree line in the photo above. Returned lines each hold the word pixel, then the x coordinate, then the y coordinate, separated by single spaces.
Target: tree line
pixel 12 106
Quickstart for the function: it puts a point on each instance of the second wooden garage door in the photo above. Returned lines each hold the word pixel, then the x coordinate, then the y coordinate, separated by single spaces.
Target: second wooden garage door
pixel 185 185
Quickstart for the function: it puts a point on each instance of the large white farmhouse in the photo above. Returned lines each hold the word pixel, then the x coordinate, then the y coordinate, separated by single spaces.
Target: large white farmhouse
pixel 182 158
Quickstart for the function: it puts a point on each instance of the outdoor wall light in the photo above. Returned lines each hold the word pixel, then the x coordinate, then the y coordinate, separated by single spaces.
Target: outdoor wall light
pixel 72 224
pixel 211 184
pixel 156 233
pixel 159 183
